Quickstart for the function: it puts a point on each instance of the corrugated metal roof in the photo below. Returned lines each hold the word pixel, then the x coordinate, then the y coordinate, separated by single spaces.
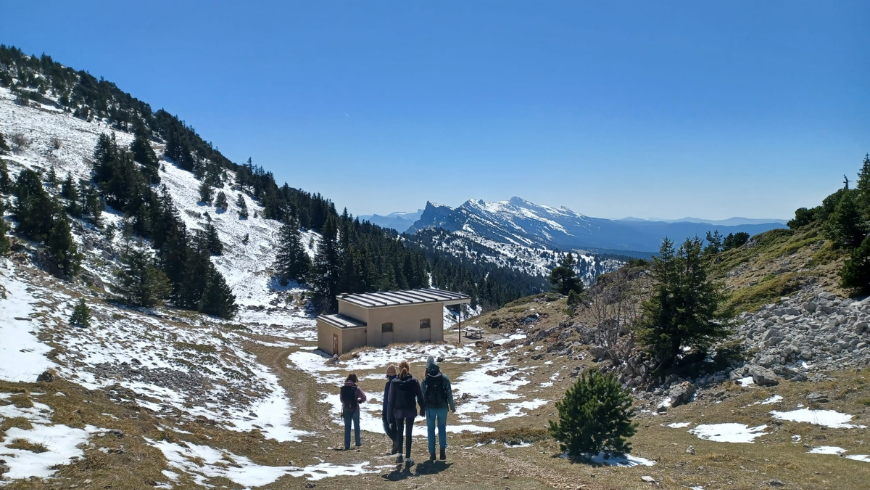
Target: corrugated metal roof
pixel 342 321
pixel 398 298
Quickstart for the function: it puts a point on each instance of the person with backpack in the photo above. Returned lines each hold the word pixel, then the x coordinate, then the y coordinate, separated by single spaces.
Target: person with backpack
pixel 389 426
pixel 351 396
pixel 438 396
pixel 405 395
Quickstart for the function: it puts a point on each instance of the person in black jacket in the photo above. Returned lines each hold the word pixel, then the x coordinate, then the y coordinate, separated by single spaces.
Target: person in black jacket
pixel 405 395
pixel 389 427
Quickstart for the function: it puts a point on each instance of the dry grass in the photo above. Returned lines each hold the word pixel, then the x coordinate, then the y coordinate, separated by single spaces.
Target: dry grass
pixel 26 445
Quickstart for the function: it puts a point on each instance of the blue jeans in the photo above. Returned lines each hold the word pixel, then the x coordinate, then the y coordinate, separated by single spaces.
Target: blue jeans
pixel 441 415
pixel 348 418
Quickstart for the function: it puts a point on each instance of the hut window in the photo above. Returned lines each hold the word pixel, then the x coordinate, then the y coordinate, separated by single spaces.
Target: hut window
pixel 425 323
pixel 387 327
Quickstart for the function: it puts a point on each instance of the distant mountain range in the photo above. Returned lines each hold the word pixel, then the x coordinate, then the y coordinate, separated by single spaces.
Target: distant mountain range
pixel 721 222
pixel 518 221
pixel 399 221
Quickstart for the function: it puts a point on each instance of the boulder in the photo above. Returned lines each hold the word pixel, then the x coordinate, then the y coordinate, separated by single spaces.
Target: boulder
pixel 682 393
pixel 46 376
pixel 817 398
pixel 763 376
pixel 598 352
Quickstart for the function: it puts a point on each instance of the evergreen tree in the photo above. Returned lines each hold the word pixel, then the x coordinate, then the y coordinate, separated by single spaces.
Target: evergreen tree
pixel 92 205
pixel 3 146
pixel 217 298
pixel 243 207
pixel 196 268
pixel 684 309
pixel 205 193
pixel 735 240
pixel 139 282
pixel 34 209
pixel 221 203
pixel 62 249
pixel 81 315
pixel 594 416
pixel 325 270
pixel 144 154
pixel 863 193
pixel 5 181
pixel 4 227
pixel 714 243
pixel 292 261
pixel 564 278
pixel 215 247
pixel 70 192
pixel 51 177
pixel 855 273
pixel 843 226
pixel 246 239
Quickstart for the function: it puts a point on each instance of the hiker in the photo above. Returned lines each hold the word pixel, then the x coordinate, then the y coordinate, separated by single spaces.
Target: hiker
pixel 439 398
pixel 389 427
pixel 351 396
pixel 405 394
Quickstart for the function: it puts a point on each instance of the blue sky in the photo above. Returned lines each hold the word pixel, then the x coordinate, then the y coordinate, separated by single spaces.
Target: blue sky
pixel 668 109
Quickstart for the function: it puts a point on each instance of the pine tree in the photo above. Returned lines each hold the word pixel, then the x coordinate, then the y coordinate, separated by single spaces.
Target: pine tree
pixel 81 315
pixel 70 192
pixel 217 298
pixel 564 278
pixel 292 261
pixel 205 193
pixel 144 154
pixel 685 308
pixel 34 209
pixel 92 205
pixel 215 246
pixel 3 146
pixel 140 283
pixel 51 177
pixel 196 268
pixel 4 227
pixel 5 181
pixel 594 416
pixel 843 226
pixel 863 192
pixel 243 207
pixel 325 270
pixel 714 243
pixel 221 203
pixel 62 249
pixel 246 239
pixel 855 274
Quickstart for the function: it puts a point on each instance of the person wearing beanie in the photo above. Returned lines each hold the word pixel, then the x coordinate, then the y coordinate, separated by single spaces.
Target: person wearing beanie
pixel 351 396
pixel 389 423
pixel 438 396
pixel 405 395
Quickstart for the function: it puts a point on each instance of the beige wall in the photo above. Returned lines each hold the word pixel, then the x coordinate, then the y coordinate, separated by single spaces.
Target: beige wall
pixel 353 311
pixel 348 338
pixel 406 322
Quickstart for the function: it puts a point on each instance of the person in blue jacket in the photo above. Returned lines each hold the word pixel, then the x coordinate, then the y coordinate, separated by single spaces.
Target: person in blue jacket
pixel 389 427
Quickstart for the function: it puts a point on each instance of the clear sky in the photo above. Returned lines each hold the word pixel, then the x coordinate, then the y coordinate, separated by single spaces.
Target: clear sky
pixel 669 109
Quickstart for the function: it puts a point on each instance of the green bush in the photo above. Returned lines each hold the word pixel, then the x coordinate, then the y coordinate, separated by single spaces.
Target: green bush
pixel 595 416
pixel 81 316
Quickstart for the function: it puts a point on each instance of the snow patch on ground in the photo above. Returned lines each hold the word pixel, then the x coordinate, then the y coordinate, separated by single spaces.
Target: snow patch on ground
pixel 22 356
pixel 826 450
pixel 826 418
pixel 679 425
pixel 729 432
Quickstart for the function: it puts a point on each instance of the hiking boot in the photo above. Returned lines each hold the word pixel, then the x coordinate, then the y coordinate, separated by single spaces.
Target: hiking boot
pixel 409 462
pixel 400 459
pixel 431 456
pixel 443 454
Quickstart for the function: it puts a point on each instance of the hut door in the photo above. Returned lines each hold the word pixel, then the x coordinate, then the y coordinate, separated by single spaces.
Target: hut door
pixel 335 344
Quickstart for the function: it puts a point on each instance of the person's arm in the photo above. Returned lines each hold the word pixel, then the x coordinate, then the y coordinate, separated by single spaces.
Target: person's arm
pixel 384 401
pixel 449 393
pixel 421 400
pixel 390 401
pixel 360 395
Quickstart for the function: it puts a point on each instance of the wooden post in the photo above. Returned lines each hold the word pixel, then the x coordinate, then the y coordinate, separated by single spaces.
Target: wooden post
pixel 459 313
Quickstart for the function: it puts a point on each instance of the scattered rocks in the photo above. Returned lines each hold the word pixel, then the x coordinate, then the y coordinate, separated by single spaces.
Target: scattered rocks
pixel 598 352
pixel 690 450
pixel 776 483
pixel 648 479
pixel 46 376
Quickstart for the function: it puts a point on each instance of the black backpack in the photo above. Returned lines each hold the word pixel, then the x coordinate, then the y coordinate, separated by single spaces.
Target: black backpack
pixel 435 393
pixel 349 403
pixel 406 394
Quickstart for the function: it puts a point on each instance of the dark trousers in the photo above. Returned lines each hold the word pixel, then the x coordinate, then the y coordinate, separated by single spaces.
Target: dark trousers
pixel 391 433
pixel 404 428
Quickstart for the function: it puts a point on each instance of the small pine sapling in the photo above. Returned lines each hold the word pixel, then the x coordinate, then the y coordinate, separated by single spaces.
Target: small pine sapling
pixel 594 417
pixel 81 316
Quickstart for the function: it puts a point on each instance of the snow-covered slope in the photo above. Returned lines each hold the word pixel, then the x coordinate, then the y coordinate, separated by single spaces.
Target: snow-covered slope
pixel 518 221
